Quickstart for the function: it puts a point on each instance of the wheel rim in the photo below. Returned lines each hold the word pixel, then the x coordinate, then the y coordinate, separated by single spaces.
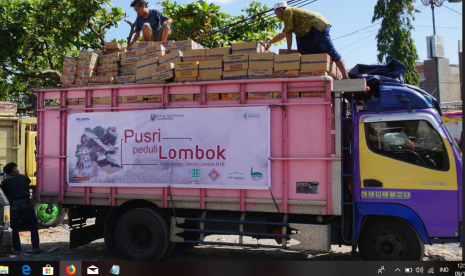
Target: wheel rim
pixel 48 212
pixel 140 237
pixel 388 246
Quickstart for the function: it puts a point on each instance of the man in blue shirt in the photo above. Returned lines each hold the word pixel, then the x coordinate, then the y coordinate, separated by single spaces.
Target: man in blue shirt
pixel 154 25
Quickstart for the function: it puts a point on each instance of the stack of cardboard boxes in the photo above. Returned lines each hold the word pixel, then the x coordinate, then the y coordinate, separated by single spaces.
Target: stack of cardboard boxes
pixel 69 71
pixel 86 67
pixel 286 66
pixel 211 68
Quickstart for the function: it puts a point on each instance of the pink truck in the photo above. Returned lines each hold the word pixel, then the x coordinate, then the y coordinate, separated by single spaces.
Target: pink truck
pixel 287 158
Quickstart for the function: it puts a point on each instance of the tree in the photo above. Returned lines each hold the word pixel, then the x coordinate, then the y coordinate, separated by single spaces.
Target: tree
pixel 207 25
pixel 37 34
pixel 395 35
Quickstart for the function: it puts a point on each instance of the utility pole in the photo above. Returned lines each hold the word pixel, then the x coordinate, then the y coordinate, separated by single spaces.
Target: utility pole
pixel 433 4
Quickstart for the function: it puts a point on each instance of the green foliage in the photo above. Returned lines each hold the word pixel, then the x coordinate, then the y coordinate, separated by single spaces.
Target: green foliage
pixel 200 21
pixel 395 35
pixel 37 34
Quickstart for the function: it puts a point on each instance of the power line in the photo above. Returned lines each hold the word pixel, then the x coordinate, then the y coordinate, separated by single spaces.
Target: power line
pixel 255 16
pixel 372 25
pixel 422 26
pixel 355 42
pixel 357 31
pixel 344 55
pixel 452 9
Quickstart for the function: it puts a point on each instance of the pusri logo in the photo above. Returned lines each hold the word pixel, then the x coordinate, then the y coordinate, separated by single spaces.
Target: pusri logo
pixel 245 116
pixel 255 175
pixel 81 120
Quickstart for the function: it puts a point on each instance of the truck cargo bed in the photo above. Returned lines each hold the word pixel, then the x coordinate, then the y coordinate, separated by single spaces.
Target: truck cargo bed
pixel 304 167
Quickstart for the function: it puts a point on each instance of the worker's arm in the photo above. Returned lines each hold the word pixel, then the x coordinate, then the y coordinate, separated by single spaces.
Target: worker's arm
pixel 136 37
pixel 289 41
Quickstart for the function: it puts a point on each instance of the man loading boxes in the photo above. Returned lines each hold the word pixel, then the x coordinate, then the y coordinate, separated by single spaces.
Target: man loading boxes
pixel 311 30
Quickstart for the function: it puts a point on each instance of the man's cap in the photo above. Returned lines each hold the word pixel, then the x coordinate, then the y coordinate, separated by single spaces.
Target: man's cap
pixel 281 4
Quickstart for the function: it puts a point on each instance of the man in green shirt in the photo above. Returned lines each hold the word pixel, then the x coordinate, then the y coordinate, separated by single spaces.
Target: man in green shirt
pixel 311 30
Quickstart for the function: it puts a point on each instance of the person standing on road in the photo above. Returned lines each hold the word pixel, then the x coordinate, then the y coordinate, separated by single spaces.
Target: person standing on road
pixel 311 30
pixel 154 25
pixel 16 188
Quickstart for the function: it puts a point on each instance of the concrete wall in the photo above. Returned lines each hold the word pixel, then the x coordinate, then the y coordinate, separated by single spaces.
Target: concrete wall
pixel 449 79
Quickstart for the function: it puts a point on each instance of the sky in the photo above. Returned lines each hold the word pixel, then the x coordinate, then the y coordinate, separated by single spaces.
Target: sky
pixel 346 16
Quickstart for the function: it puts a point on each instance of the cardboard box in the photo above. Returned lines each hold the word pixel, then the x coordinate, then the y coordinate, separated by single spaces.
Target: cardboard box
pixel 102 80
pixel 164 73
pixel 81 81
pixel 113 73
pixel 101 100
pixel 84 73
pixel 233 75
pixel 211 68
pixel 173 56
pixel 144 77
pixel 125 79
pixel 86 64
pixel 315 94
pixel 313 74
pixel 68 79
pixel 157 50
pixel 286 74
pixel 184 45
pixel 290 95
pixel 210 78
pixel 132 99
pixel 153 98
pixel 69 62
pixel 88 55
pixel 284 51
pixel 111 66
pixel 147 66
pixel 247 47
pixel 261 60
pixel 217 53
pixel 112 46
pixel 108 58
pixel 317 62
pixel 193 55
pixel 287 62
pixel 236 62
pixel 130 57
pixel 185 79
pixel 212 96
pixel 142 44
pixel 128 70
pixel 72 101
pixel 69 70
pixel 260 73
pixel 334 71
pixel 98 52
pixel 259 95
pixel 230 96
pixel 182 97
pixel 186 69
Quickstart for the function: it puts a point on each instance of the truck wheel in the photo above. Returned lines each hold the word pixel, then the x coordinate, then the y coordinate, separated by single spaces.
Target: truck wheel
pixel 142 235
pixel 392 240
pixel 49 214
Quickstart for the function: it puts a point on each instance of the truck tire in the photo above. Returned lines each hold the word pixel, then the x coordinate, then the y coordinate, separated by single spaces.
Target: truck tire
pixel 49 214
pixel 142 235
pixel 390 240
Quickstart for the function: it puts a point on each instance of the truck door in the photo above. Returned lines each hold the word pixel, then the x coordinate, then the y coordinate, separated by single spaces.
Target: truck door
pixel 406 159
pixel 8 146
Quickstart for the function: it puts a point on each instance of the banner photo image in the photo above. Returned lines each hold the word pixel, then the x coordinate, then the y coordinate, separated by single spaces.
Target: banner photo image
pixel 226 148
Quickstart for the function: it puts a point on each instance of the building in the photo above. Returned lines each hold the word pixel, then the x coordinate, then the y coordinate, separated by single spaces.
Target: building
pixel 449 79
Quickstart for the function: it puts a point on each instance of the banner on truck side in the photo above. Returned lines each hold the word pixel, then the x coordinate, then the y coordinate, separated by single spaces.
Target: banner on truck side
pixel 191 147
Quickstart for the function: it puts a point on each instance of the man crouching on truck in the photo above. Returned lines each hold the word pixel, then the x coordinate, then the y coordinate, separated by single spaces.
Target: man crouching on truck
pixel 154 25
pixel 311 30
pixel 16 189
